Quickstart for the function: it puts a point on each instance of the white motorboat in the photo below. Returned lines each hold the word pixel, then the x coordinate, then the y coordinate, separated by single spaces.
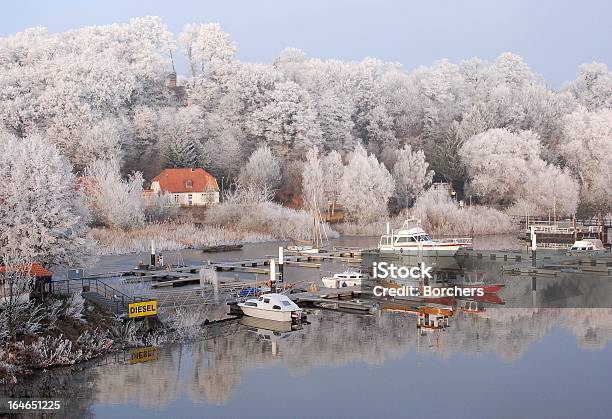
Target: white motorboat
pixel 302 249
pixel 587 246
pixel 344 279
pixel 411 239
pixel 277 307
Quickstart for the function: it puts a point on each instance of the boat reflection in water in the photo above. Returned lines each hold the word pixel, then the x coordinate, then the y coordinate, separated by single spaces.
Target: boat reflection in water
pixel 270 330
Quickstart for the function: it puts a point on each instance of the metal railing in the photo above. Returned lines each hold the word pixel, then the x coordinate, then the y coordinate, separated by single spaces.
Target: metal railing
pixel 118 300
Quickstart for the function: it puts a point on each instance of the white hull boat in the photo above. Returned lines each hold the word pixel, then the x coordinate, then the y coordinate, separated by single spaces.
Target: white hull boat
pixel 411 239
pixel 302 249
pixel 587 246
pixel 344 279
pixel 276 307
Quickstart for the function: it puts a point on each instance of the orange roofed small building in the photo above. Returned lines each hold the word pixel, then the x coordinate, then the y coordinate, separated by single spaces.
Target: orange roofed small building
pixel 189 187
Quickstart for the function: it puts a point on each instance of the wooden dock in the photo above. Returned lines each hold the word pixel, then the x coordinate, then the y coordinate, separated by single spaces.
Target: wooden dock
pixel 553 264
pixel 333 299
pixel 515 255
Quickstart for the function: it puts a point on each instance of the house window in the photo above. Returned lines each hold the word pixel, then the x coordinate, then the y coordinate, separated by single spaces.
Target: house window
pixel 188 184
pixel 190 200
pixel 176 197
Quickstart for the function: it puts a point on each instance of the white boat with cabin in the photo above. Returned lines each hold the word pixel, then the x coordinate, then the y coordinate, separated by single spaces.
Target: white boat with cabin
pixel 273 306
pixel 411 239
pixel 587 245
pixel 344 279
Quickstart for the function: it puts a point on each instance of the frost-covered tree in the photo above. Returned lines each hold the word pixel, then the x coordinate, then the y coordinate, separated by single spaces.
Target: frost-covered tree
pixel 333 169
pixel 262 170
pixel 498 162
pixel 334 118
pixel 207 47
pixel 366 187
pixel 550 190
pixel 593 86
pixel 411 174
pixel 506 167
pixel 586 147
pixel 287 123
pixel 224 153
pixel 58 83
pixel 313 192
pixel 42 214
pixel 100 141
pixel 115 202
pixel 180 135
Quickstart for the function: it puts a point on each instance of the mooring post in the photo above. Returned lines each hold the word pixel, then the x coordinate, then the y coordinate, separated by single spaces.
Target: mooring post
pixel 280 264
pixel 534 246
pixel 272 275
pixel 152 254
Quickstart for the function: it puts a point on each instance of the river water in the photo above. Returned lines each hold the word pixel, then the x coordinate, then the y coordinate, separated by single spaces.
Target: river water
pixel 545 353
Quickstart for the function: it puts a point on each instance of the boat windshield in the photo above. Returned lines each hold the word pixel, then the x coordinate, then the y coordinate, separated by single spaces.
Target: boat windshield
pixel 424 238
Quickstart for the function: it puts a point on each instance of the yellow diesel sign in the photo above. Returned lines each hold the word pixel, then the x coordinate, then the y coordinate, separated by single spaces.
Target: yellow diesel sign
pixel 145 308
pixel 143 355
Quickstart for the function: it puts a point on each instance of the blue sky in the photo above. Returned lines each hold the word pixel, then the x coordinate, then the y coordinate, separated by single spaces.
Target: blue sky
pixel 554 37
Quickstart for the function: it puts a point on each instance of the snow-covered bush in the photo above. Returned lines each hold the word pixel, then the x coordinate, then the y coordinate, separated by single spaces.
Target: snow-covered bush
pixel 186 323
pixel 75 306
pixel 114 201
pixel 162 207
pixel 440 214
pixel 248 211
pixel 93 343
pixel 47 351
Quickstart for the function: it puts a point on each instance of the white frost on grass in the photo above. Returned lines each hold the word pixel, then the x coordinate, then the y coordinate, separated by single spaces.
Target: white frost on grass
pixel 170 236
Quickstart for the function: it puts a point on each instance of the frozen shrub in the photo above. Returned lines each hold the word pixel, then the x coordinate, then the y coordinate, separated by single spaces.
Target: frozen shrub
pixel 75 307
pixel 185 322
pixel 162 208
pixel 94 343
pixel 47 351
pixel 440 214
pixel 130 333
pixel 246 210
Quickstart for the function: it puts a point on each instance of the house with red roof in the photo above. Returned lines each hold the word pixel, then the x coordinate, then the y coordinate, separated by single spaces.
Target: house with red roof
pixel 189 187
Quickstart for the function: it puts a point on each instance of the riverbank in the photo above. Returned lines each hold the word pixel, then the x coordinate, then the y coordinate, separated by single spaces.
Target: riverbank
pixel 65 331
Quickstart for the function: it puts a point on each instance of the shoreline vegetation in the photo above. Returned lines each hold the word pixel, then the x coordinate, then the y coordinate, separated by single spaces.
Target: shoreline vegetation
pixel 68 330
pixel 238 223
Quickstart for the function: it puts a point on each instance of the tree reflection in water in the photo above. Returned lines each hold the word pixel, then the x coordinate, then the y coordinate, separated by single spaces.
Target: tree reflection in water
pixel 209 370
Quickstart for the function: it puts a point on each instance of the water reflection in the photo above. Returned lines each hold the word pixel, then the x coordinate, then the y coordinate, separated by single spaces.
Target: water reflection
pixel 236 361
pixel 209 371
